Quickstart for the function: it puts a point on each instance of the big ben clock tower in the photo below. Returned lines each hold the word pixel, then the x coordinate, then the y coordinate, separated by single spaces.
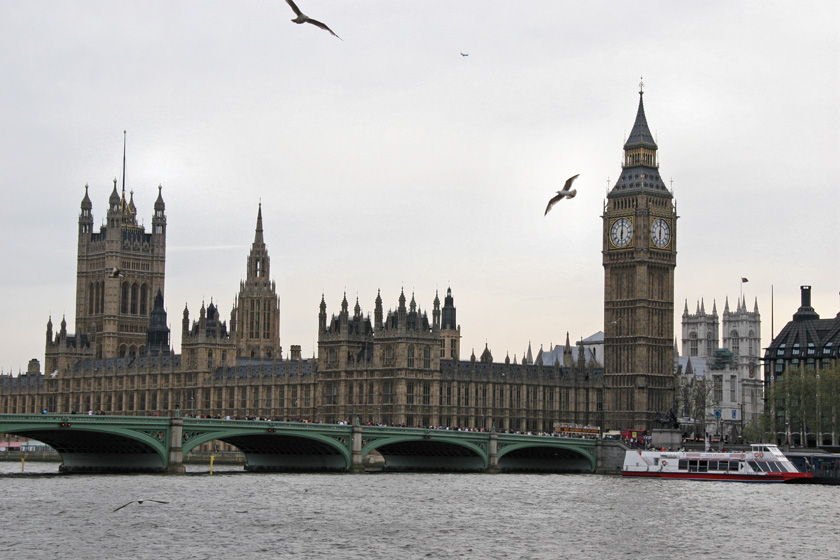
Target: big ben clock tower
pixel 639 256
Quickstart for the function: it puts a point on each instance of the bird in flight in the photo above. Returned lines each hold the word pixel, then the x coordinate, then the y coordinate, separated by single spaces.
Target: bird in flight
pixel 303 18
pixel 116 273
pixel 567 192
pixel 465 54
pixel 139 502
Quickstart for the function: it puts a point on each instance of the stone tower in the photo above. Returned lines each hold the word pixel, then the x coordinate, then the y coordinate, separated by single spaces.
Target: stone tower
pixel 700 331
pixel 742 335
pixel 256 314
pixel 639 257
pixel 450 330
pixel 119 271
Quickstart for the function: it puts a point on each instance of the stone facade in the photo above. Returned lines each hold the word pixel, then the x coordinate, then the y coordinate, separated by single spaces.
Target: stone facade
pixel 726 377
pixel 398 368
pixel 639 257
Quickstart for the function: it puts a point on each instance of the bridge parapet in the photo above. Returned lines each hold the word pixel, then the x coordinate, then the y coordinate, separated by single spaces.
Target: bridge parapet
pixel 130 443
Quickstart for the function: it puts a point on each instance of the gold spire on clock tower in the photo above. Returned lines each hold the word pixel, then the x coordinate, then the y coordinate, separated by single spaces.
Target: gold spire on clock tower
pixel 639 257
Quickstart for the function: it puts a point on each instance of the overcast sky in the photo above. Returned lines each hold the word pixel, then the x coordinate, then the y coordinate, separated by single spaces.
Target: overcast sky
pixel 387 160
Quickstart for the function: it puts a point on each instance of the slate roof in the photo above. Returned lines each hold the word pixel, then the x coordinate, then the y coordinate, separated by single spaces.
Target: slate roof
pixel 640 135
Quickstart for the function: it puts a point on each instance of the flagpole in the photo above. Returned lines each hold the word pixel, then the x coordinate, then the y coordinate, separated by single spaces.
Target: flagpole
pixel 123 181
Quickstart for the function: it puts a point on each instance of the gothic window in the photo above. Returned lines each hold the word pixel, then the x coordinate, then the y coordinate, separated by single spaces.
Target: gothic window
pixel 442 348
pixel 717 388
pixel 124 298
pixel 733 386
pixel 101 297
pixel 143 299
pixel 134 299
pixel 389 355
pixel 427 393
pixel 91 298
pixel 452 353
pixel 409 392
pixel 267 321
pixel 254 319
pixel 735 343
pixel 692 344
pixel 710 347
pixel 750 342
pixel 427 357
pixel 257 270
pixel 410 357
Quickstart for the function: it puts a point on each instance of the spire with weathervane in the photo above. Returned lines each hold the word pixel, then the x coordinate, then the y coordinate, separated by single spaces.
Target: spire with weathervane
pixel 257 311
pixel 640 168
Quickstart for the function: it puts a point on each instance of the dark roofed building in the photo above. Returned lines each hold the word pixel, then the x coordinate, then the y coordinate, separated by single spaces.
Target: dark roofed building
pixel 806 346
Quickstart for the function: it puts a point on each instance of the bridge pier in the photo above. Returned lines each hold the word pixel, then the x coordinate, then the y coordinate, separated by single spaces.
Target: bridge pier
pixel 176 454
pixel 356 465
pixel 493 452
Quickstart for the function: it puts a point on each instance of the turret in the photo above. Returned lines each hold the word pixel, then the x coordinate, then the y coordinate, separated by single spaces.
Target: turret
pixel 322 316
pixel 85 217
pixel 185 323
pixel 377 312
pixel 159 218
pixel 436 312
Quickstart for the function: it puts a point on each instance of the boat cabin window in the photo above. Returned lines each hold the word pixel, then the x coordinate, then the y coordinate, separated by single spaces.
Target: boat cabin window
pixel 697 465
pixel 766 466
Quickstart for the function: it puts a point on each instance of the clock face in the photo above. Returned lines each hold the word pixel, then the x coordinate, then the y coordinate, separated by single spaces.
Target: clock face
pixel 660 233
pixel 621 232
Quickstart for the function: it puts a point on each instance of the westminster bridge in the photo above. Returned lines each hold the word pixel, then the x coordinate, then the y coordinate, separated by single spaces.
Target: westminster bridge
pixel 109 444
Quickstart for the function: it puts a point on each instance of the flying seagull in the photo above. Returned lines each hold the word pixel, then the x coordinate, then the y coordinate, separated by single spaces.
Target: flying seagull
pixel 567 192
pixel 139 502
pixel 116 273
pixel 303 18
pixel 465 54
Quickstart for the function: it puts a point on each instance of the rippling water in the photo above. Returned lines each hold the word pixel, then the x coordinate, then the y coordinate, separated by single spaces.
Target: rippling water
pixel 243 515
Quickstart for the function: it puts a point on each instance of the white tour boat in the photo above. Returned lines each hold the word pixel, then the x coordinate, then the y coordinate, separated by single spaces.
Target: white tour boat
pixel 762 463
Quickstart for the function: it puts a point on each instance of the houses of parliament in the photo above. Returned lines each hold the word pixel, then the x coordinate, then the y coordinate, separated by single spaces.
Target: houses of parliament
pixel 402 367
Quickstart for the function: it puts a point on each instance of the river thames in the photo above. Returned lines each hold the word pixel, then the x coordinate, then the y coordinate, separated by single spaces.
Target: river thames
pixel 243 515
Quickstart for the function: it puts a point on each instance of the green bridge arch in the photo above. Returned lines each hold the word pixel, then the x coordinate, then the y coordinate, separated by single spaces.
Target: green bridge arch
pixel 92 443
